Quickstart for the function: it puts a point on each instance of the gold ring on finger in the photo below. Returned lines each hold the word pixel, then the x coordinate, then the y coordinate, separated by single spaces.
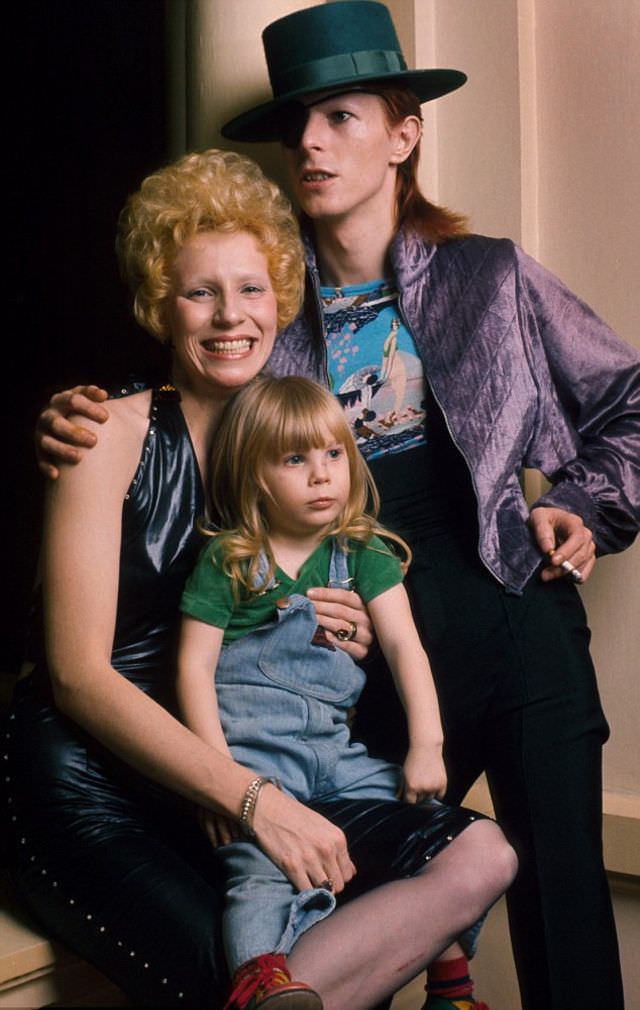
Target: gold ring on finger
pixel 347 635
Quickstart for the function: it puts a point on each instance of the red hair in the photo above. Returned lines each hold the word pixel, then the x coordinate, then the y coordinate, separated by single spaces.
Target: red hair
pixel 413 211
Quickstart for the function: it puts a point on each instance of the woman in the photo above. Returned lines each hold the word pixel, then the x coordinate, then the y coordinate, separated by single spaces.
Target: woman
pixel 101 776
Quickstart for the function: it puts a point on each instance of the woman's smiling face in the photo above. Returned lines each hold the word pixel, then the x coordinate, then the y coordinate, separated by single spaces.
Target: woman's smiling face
pixel 222 313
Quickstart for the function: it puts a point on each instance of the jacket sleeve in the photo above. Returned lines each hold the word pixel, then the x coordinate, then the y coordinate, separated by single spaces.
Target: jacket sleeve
pixel 596 379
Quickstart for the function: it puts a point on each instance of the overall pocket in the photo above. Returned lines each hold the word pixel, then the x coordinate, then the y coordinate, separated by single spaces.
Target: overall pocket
pixel 290 658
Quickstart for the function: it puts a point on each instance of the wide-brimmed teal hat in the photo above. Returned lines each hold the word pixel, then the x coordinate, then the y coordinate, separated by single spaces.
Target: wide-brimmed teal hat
pixel 329 46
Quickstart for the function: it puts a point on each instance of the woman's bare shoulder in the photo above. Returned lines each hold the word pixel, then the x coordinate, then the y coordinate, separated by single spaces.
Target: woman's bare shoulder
pixel 119 439
pixel 126 412
pixel 133 409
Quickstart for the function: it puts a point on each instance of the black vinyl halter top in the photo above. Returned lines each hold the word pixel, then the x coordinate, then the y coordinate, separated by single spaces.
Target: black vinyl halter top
pixel 160 545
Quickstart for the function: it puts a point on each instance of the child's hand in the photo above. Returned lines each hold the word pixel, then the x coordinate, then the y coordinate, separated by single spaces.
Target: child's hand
pixel 220 830
pixel 424 774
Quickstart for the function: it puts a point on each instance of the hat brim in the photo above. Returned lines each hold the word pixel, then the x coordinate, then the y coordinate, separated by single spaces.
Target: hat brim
pixel 264 122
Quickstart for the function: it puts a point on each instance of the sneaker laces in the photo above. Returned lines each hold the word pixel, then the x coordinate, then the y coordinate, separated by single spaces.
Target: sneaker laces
pixel 266 970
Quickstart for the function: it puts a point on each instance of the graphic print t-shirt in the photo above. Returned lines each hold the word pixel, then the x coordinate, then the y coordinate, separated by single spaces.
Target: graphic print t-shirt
pixel 377 374
pixel 374 368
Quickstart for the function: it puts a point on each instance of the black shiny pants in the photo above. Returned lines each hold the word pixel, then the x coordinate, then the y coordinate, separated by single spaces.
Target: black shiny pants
pixel 119 871
pixel 519 700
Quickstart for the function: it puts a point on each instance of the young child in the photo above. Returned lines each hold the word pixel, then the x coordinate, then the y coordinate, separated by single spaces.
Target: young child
pixel 291 491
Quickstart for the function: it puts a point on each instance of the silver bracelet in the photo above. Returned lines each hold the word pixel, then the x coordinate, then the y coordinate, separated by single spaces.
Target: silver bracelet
pixel 250 798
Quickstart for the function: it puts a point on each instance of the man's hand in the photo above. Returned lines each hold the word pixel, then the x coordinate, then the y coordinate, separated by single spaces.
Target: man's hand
pixel 565 540
pixel 58 439
pixel 339 610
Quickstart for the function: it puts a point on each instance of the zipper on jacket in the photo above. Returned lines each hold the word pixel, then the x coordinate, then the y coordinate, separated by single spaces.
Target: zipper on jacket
pixel 315 280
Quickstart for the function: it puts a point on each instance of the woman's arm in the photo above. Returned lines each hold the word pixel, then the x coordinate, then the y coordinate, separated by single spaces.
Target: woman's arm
pixel 80 579
pixel 81 555
pixel 424 772
pixel 198 653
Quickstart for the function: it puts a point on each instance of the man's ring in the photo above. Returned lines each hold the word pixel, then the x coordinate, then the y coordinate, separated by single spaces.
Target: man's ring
pixel 347 636
pixel 327 885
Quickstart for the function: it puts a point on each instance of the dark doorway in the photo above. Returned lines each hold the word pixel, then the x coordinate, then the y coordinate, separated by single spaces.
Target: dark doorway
pixel 86 121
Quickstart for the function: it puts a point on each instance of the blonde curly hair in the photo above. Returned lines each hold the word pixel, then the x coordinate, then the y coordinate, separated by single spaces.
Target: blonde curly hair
pixel 205 191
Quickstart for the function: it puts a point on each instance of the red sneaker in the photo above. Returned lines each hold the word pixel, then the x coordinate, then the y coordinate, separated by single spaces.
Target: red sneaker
pixel 264 981
pixel 460 1003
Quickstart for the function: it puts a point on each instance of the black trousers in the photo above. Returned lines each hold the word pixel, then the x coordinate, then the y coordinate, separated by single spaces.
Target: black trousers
pixel 519 700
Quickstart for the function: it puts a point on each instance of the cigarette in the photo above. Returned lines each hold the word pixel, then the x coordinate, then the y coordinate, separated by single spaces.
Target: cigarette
pixel 569 569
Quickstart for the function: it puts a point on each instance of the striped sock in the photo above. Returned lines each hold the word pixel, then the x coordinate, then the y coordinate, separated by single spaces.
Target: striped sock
pixel 450 979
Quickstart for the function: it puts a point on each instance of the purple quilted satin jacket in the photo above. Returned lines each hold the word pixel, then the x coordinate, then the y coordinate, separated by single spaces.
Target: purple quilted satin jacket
pixel 526 376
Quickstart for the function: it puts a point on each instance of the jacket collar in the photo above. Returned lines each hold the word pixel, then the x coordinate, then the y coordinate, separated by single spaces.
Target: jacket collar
pixel 410 255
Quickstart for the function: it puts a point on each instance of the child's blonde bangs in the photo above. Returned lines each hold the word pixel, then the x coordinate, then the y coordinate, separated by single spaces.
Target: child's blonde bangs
pixel 301 422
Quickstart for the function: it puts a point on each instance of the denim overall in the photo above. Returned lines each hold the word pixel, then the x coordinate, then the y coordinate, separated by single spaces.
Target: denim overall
pixel 284 694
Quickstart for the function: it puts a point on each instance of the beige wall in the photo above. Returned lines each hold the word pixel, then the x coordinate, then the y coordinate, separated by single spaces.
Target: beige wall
pixel 218 70
pixel 542 145
pixel 551 113
pixel 589 181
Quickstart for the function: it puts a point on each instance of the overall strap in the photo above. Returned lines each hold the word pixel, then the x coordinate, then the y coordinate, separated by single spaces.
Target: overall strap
pixel 263 568
pixel 339 577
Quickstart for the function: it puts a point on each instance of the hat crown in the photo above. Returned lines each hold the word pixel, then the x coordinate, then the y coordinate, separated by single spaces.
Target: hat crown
pixel 329 42
pixel 342 44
